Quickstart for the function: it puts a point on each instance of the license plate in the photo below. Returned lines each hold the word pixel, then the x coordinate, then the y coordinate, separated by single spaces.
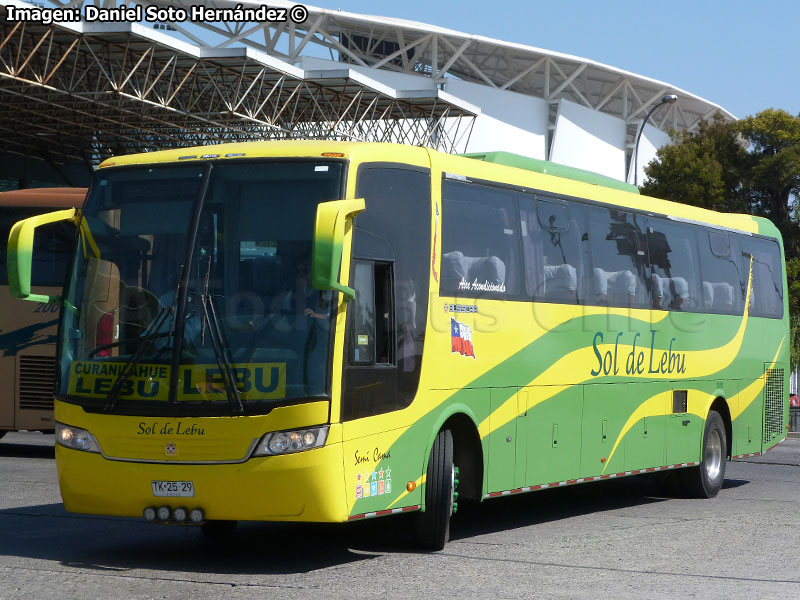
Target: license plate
pixel 173 488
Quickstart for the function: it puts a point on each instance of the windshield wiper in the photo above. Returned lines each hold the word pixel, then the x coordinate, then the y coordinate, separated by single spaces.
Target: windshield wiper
pixel 218 344
pixel 182 292
pixel 149 335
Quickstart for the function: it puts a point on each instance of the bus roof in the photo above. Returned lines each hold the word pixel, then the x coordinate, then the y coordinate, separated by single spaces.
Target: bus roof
pixel 550 168
pixel 45 197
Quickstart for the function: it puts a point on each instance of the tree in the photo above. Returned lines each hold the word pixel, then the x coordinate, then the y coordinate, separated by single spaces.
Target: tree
pixel 772 171
pixel 701 168
pixel 750 166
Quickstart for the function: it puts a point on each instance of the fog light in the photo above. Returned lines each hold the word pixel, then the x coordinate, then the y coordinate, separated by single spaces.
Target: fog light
pixel 163 513
pixel 179 514
pixel 149 514
pixel 197 515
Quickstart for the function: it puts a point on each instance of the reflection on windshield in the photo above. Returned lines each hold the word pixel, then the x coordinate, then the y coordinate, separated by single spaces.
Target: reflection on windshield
pixel 252 323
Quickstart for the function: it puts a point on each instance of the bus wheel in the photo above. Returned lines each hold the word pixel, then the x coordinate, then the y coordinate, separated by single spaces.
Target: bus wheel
pixel 218 530
pixel 705 481
pixel 433 525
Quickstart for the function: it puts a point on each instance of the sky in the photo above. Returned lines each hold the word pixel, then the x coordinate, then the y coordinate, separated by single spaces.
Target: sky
pixel 740 54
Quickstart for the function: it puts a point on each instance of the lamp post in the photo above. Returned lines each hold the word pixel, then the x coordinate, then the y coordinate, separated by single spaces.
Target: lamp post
pixel 668 99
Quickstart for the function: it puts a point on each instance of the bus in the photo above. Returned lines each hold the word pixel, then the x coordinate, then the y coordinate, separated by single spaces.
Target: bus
pixel 28 332
pixel 328 331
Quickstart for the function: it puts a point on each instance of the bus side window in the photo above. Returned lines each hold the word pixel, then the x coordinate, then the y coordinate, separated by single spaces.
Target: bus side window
pixel 480 241
pixel 551 243
pixel 766 297
pixel 721 278
pixel 372 333
pixel 619 259
pixel 675 269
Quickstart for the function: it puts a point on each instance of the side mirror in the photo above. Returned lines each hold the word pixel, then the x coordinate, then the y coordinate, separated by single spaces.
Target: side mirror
pixel 328 240
pixel 20 253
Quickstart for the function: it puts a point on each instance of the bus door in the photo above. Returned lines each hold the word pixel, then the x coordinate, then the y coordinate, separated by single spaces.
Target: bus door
pixel 371 372
pixel 389 273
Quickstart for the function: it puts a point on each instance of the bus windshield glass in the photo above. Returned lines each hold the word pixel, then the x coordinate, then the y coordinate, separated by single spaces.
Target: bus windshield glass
pixel 191 294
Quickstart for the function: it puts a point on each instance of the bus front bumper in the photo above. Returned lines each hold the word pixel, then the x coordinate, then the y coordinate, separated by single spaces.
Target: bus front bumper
pixel 304 486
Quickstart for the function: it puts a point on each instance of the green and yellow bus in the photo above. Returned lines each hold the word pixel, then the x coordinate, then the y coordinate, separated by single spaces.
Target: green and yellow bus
pixel 325 331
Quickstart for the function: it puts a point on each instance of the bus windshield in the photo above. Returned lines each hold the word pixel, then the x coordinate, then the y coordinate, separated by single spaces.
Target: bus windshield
pixel 191 294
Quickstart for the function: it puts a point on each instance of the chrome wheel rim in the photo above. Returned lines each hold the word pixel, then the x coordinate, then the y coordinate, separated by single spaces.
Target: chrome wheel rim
pixel 452 487
pixel 713 455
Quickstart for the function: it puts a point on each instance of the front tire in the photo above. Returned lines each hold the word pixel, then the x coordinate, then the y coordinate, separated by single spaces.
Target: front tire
pixel 433 525
pixel 705 481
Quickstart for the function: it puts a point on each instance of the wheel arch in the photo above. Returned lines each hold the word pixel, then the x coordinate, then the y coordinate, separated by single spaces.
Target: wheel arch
pixel 467 449
pixel 720 405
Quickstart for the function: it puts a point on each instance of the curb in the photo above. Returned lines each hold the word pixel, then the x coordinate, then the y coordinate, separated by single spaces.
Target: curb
pixel 793 434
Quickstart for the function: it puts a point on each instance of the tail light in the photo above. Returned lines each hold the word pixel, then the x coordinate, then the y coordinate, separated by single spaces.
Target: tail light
pixel 105 333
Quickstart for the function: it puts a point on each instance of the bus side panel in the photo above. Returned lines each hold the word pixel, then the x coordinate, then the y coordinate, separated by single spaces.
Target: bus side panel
pixel 386 470
pixel 603 420
pixel 553 429
pixel 685 428
pixel 747 426
pixel 646 437
pixel 378 467
pixel 501 470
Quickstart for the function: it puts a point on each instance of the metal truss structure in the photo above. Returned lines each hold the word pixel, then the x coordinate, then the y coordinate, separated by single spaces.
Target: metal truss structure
pixel 87 91
pixel 410 47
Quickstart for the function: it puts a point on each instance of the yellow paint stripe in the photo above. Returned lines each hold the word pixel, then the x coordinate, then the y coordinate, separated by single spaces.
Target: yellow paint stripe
pixel 652 407
pixel 557 317
pixel 699 364
pixel 696 405
pixel 417 483
pixel 746 396
pixel 418 410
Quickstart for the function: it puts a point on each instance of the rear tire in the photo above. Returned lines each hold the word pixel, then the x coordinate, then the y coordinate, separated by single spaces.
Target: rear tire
pixel 705 481
pixel 432 529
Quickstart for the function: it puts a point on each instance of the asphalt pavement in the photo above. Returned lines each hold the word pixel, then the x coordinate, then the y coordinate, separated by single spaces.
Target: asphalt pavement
pixel 613 539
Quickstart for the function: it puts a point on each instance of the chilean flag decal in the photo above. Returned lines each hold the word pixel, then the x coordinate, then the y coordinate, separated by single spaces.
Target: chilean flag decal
pixel 461 338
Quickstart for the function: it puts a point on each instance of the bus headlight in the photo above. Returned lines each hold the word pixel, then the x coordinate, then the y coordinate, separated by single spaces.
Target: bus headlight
pixel 75 438
pixel 286 442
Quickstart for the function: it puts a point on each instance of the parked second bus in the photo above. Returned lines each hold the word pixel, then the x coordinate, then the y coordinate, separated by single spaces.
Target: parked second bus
pixel 28 331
